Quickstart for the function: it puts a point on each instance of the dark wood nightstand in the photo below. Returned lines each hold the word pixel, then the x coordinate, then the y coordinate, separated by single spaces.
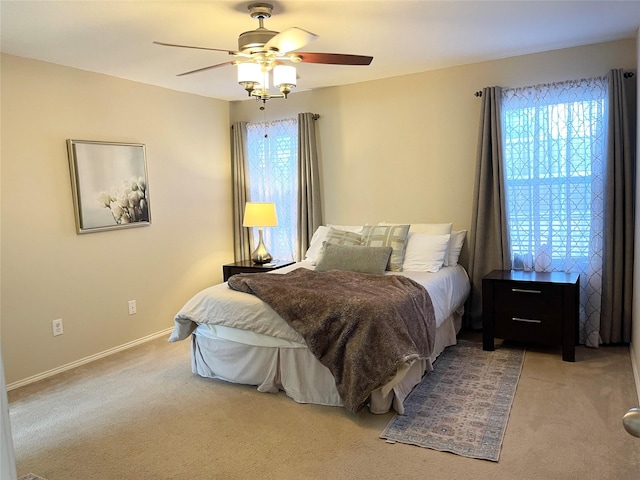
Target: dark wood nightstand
pixel 536 307
pixel 247 266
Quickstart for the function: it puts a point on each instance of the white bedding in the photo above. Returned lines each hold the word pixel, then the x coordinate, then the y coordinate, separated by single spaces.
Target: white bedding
pixel 253 322
pixel 238 338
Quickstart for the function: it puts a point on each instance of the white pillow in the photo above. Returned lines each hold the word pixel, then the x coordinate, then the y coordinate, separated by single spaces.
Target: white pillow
pixel 319 236
pixel 425 253
pixel 455 246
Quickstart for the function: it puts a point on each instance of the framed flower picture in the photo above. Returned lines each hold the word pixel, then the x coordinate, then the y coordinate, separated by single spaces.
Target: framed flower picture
pixel 110 185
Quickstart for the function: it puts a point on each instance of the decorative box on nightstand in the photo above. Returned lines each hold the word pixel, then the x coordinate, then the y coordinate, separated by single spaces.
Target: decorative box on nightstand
pixel 537 307
pixel 247 266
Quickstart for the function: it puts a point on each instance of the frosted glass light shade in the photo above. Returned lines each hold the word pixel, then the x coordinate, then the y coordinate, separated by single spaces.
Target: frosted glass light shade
pixel 260 214
pixel 284 75
pixel 249 73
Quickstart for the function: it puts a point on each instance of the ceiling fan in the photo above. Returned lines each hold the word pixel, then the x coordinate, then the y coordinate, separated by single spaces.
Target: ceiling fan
pixel 261 51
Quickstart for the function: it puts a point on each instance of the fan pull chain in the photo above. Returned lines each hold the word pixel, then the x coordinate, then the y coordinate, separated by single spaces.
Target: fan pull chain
pixel 266 125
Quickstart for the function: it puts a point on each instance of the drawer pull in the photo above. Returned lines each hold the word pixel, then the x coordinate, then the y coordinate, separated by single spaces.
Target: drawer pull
pixel 525 320
pixel 521 290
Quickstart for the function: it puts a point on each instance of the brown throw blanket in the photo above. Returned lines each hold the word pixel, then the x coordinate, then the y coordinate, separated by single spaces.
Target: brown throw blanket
pixel 361 327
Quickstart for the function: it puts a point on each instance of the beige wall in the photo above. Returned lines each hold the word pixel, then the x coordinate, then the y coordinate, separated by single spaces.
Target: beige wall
pixel 48 271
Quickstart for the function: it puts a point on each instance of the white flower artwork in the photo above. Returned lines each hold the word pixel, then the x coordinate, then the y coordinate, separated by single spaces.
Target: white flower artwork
pixel 110 185
pixel 128 203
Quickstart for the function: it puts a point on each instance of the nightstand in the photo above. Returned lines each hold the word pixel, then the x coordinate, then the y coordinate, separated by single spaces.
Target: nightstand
pixel 537 307
pixel 247 266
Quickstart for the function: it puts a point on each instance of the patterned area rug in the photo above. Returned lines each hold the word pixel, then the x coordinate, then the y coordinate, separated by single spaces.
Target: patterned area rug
pixel 463 405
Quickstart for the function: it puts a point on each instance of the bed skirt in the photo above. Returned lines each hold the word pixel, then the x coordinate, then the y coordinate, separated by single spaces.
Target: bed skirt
pixel 299 374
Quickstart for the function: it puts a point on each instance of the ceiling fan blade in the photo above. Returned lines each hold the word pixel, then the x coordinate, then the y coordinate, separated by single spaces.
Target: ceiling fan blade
pixel 205 68
pixel 289 40
pixel 334 58
pixel 230 52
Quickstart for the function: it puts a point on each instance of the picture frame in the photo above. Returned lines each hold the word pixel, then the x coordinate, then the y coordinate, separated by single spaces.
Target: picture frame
pixel 110 185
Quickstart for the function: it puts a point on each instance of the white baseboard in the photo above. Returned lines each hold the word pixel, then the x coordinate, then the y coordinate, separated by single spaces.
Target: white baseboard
pixel 636 374
pixel 91 358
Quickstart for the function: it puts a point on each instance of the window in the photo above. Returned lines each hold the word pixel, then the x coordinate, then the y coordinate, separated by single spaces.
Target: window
pixel 272 150
pixel 554 140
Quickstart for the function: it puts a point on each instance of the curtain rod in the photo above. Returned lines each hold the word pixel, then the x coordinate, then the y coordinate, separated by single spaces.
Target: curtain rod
pixel 625 75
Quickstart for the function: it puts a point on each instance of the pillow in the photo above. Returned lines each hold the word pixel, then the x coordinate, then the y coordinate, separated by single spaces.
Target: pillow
pixel 338 237
pixel 347 228
pixel 430 229
pixel 425 253
pixel 319 237
pixel 354 258
pixel 342 237
pixel 455 247
pixel 394 236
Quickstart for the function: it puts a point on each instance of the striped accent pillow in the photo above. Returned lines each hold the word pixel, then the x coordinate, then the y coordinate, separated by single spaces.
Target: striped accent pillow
pixel 338 237
pixel 394 236
pixel 342 237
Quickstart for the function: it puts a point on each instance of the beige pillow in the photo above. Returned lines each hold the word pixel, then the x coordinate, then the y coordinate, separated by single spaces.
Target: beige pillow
pixel 342 237
pixel 354 258
pixel 394 236
pixel 338 237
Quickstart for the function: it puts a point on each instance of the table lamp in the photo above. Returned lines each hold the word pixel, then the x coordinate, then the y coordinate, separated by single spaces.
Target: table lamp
pixel 260 214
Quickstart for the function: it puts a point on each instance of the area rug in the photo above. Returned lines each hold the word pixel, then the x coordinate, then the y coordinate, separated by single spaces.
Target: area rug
pixel 463 405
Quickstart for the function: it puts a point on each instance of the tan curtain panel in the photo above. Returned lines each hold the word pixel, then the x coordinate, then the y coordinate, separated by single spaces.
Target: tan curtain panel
pixel 309 193
pixel 489 234
pixel 240 190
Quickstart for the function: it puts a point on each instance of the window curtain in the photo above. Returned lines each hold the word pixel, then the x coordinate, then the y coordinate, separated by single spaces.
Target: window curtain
pixel 240 190
pixel 273 176
pixel 617 271
pixel 555 159
pixel 489 237
pixel 309 193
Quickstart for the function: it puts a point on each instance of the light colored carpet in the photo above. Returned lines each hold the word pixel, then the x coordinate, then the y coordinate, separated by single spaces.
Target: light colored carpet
pixel 142 415
pixel 463 405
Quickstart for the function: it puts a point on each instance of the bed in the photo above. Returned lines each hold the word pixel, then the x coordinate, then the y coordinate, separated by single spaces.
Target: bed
pixel 237 337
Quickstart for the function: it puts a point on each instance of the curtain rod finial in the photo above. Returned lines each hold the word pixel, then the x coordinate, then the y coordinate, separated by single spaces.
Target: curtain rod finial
pixel 478 93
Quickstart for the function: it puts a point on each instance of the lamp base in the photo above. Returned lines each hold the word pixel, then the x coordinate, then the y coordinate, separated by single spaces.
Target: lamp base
pixel 260 255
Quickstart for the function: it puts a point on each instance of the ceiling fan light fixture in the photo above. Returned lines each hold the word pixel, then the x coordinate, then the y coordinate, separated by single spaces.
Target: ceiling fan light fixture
pixel 284 77
pixel 249 76
pixel 262 51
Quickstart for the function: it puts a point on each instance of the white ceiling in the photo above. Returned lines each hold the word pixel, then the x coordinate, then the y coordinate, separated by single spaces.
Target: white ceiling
pixel 115 37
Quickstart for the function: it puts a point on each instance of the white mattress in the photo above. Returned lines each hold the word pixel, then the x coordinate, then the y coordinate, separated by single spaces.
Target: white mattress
pixel 448 288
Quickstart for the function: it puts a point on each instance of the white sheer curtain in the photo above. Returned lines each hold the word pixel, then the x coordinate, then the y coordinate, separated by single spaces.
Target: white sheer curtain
pixel 554 139
pixel 272 149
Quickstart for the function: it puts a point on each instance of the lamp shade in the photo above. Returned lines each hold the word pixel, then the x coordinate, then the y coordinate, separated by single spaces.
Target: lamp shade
pixel 284 75
pixel 260 214
pixel 249 72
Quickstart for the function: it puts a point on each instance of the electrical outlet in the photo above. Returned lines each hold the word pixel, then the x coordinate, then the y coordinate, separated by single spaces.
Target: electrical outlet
pixel 133 309
pixel 57 327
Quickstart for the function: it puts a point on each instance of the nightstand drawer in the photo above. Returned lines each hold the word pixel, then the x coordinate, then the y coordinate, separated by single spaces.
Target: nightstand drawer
pixel 526 327
pixel 528 299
